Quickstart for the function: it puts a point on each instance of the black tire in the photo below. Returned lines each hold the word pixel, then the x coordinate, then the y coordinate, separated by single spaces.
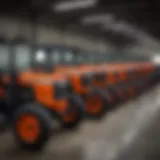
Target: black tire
pixel 77 105
pixel 106 106
pixel 45 123
pixel 113 90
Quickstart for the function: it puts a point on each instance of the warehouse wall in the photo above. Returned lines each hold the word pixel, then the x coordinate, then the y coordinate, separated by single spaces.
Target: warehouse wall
pixel 11 27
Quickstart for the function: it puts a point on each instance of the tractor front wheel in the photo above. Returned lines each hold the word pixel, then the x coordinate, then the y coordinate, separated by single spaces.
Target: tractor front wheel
pixel 32 126
pixel 75 113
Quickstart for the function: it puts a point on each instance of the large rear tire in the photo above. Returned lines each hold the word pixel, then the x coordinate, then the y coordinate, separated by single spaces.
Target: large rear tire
pixel 32 126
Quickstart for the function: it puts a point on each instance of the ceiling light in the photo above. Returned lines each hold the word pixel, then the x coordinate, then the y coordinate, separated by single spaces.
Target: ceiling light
pixel 121 27
pixel 99 18
pixel 73 5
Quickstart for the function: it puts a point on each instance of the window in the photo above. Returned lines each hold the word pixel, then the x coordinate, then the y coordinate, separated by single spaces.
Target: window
pixel 68 58
pixel 4 57
pixel 56 57
pixel 22 57
pixel 63 57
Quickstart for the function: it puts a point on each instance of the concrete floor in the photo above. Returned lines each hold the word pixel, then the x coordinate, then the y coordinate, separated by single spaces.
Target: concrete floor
pixel 131 132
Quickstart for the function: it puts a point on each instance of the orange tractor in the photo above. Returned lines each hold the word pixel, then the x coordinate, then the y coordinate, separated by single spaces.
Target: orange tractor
pixel 32 98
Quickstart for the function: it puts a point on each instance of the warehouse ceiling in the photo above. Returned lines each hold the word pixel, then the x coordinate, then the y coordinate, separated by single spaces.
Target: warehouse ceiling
pixel 120 21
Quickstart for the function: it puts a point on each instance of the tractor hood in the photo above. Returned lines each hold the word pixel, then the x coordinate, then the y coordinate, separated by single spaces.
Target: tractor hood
pixel 41 78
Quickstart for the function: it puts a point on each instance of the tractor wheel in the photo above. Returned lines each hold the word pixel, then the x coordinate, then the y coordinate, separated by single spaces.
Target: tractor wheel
pixel 97 104
pixel 75 113
pixel 32 126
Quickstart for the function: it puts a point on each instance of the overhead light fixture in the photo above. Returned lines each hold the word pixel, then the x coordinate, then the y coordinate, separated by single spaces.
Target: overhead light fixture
pixel 108 26
pixel 73 5
pixel 130 30
pixel 97 19
pixel 121 27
